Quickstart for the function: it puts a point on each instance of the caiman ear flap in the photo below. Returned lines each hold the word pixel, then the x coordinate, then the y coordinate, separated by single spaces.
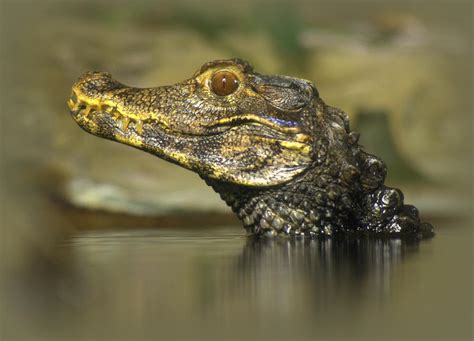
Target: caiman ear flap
pixel 285 93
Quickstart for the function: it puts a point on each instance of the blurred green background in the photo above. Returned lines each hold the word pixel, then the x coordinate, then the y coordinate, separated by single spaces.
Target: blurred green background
pixel 402 70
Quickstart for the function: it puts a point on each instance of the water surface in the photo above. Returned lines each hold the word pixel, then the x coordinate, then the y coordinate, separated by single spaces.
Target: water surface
pixel 215 283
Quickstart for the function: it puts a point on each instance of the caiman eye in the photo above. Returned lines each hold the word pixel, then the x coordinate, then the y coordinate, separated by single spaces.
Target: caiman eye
pixel 224 83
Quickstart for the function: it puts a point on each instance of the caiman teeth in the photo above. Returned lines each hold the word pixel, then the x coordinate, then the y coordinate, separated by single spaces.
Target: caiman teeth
pixel 139 127
pixel 125 123
pixel 87 111
pixel 71 104
pixel 82 109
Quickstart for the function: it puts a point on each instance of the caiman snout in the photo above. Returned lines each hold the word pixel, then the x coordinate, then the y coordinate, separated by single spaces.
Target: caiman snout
pixel 98 94
pixel 92 88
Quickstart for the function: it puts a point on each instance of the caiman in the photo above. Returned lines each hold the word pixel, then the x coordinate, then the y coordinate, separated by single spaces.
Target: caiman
pixel 284 161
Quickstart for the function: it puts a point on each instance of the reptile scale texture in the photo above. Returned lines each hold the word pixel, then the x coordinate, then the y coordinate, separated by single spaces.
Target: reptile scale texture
pixel 284 161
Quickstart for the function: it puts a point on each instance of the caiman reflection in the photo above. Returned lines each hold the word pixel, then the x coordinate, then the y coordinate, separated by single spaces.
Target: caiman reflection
pixel 329 267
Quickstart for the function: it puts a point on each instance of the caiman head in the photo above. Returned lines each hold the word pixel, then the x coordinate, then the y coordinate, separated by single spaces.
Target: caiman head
pixel 226 123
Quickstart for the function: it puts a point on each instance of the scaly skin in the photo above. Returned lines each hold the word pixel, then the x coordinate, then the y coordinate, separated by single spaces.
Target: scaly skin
pixel 287 163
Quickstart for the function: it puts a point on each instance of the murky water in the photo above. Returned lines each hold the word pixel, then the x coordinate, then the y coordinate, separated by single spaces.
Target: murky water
pixel 217 284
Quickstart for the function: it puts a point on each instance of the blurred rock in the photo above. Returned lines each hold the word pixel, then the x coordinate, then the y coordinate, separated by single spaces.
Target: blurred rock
pixel 416 84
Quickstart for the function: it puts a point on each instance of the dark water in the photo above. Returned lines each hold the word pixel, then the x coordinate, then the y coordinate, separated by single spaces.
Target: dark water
pixel 217 284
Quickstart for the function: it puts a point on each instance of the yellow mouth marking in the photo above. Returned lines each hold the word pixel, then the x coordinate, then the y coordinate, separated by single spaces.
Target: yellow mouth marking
pixel 302 138
pixel 130 140
pixel 299 141
pixel 294 145
pixel 257 119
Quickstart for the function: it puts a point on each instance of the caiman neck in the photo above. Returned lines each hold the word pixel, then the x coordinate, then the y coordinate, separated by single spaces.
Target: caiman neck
pixel 314 203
